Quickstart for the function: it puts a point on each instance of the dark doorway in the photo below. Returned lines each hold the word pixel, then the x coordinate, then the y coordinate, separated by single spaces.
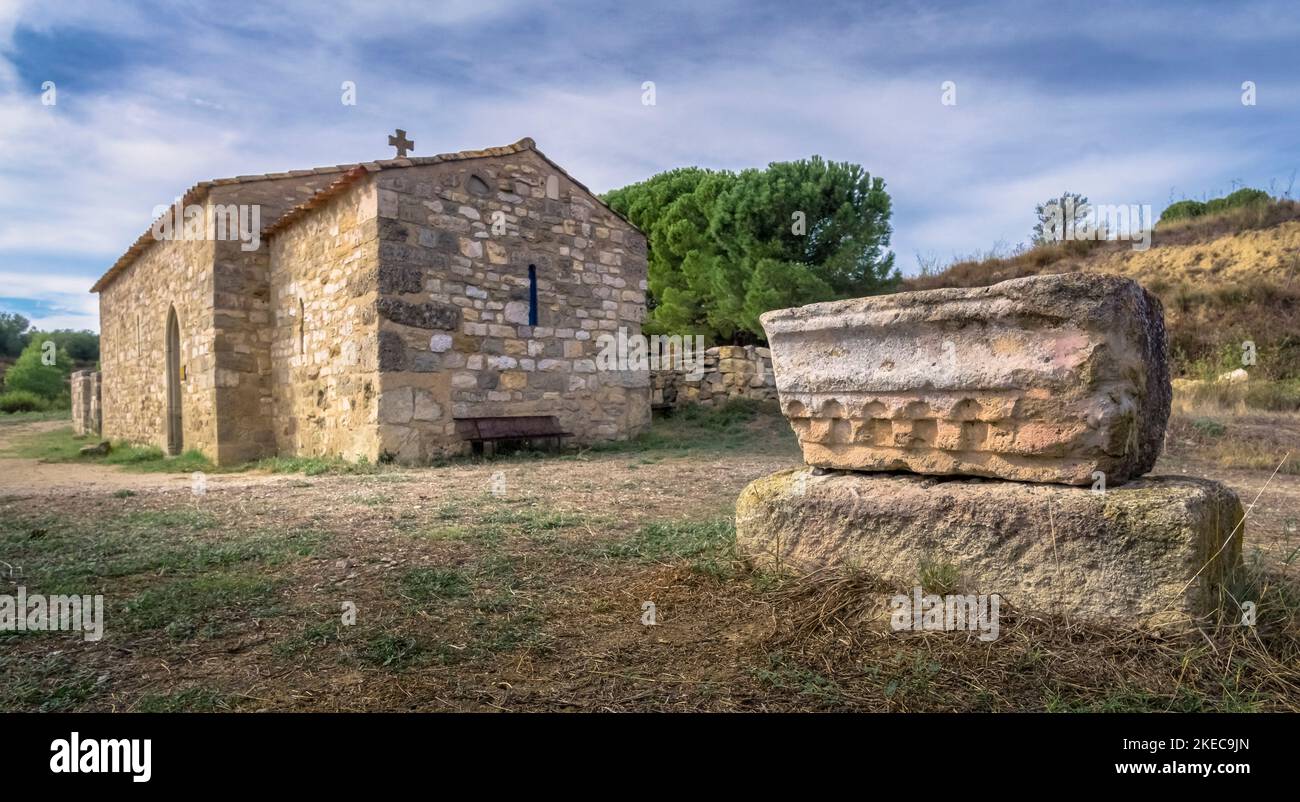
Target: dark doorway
pixel 175 437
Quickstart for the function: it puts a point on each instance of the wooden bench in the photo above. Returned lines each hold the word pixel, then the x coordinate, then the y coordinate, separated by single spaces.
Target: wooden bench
pixel 520 427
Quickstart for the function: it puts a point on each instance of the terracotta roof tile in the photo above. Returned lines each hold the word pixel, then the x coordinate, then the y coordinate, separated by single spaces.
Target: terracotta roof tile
pixel 348 174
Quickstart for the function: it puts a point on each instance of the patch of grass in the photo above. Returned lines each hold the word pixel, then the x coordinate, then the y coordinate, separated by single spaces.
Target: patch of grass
pixel 533 520
pixel 512 627
pixel 740 424
pixel 313 466
pixel 71 556
pixel 37 416
pixel 200 605
pixel 190 700
pixel 151 459
pixel 55 445
pixel 543 521
pixel 45 683
pixel 709 546
pixel 314 636
pixel 1251 441
pixel 494 522
pixel 1255 394
pixel 497 566
pixel 447 533
pixel 916 677
pixel 61 445
pixel 784 676
pixel 392 650
pixel 448 512
pixel 1130 700
pixel 1219 220
pixel 1209 427
pixel 429 584
pixel 939 578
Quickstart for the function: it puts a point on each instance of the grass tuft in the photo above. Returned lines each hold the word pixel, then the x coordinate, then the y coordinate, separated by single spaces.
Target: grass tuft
pixel 708 546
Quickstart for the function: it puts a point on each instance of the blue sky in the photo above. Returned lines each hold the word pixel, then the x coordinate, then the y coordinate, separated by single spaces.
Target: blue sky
pixel 1126 103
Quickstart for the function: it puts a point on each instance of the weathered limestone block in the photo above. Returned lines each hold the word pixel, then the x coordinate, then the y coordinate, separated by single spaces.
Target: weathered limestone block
pixel 397 278
pixel 1043 379
pixel 85 389
pixel 95 425
pixel 80 381
pixel 1155 551
pixel 420 316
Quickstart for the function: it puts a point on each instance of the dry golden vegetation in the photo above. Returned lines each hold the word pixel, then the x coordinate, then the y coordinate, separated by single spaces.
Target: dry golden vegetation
pixel 1224 279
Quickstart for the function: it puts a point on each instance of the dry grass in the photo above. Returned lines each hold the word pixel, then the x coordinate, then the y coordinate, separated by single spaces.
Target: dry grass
pixel 534 600
pixel 1233 439
pixel 1226 223
pixel 1223 279
pixel 1039 663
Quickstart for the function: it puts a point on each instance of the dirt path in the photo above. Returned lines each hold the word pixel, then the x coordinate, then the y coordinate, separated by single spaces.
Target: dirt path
pixel 1273 526
pixel 33 477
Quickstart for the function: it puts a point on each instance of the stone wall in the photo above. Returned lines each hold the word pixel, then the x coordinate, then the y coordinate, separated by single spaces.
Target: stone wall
pixel 454 333
pixel 243 319
pixel 730 372
pixel 221 297
pixel 86 410
pixel 380 315
pixel 325 347
pixel 133 312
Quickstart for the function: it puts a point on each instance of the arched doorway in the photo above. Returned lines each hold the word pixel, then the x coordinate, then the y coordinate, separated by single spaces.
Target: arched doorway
pixel 175 437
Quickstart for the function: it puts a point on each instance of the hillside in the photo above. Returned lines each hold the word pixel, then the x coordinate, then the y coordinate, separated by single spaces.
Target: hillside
pixel 1223 281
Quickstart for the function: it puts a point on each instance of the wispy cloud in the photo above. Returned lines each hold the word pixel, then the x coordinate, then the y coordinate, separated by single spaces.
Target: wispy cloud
pixel 1122 105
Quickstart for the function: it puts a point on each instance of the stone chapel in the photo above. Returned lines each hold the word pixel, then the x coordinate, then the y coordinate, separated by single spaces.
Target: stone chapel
pixel 380 304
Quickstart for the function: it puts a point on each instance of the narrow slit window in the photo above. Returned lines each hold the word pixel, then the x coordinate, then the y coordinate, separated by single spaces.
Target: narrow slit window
pixel 302 327
pixel 532 295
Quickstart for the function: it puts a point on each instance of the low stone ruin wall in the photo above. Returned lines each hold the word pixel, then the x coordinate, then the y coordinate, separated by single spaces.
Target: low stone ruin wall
pixel 729 372
pixel 87 415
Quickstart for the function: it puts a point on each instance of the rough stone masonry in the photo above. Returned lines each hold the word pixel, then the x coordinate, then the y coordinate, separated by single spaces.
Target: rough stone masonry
pixel 1155 551
pixel 958 427
pixel 383 302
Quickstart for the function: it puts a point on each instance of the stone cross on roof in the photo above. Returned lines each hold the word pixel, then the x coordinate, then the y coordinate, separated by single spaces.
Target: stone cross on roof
pixel 400 142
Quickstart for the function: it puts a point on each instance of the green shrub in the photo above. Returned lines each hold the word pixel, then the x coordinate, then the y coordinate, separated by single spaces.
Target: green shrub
pixel 30 373
pixel 22 401
pixel 1237 200
pixel 1209 427
pixel 1187 209
pixel 1182 210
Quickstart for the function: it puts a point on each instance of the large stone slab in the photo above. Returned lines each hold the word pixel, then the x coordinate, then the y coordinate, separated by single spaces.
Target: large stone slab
pixel 1153 552
pixel 1042 379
